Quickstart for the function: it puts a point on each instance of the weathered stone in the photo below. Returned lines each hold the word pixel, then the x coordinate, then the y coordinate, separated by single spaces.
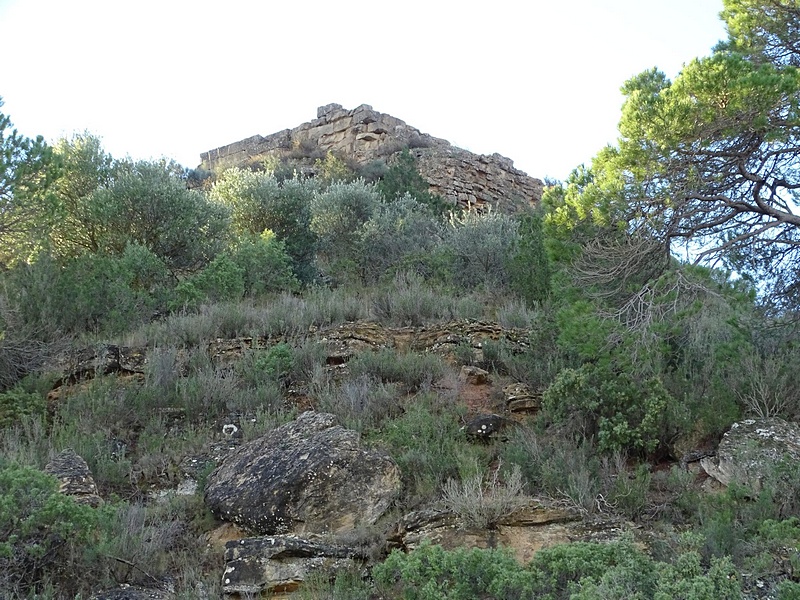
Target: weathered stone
pixel 474 375
pixel 362 135
pixel 102 360
pixel 520 399
pixel 75 478
pixel 485 427
pixel 308 476
pixel 525 532
pixel 751 449
pixel 323 111
pixel 279 564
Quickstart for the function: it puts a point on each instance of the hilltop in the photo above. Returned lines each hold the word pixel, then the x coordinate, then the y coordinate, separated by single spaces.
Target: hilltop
pixel 366 139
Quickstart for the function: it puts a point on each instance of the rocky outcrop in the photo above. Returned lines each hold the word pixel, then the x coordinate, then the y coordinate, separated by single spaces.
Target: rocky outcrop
pixel 751 449
pixel 74 477
pixel 363 135
pixel 307 476
pixel 524 532
pixel 278 565
pixel 476 181
pixel 520 399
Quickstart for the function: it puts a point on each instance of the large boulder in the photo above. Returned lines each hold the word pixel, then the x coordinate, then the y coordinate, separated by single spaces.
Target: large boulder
pixel 74 477
pixel 307 476
pixel 751 450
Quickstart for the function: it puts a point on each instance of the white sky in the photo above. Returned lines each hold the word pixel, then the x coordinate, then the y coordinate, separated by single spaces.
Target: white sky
pixel 537 81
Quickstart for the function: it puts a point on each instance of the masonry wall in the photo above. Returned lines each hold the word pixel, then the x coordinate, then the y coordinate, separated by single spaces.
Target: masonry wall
pixel 362 135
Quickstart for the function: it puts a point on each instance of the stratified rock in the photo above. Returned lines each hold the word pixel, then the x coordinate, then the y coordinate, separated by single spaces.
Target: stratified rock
pixel 310 475
pixel 279 564
pixel 751 449
pixel 75 478
pixel 520 398
pixel 524 532
pixel 363 135
pixel 474 375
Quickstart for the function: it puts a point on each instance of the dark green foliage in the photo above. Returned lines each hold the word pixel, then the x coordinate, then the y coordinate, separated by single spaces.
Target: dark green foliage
pixel 93 292
pixel 26 206
pixel 403 178
pixel 529 266
pixel 432 573
pixel 148 203
pixel 577 571
pixel 276 363
pixel 266 267
pixel 620 412
pixel 259 202
pixel 44 535
pixel 17 403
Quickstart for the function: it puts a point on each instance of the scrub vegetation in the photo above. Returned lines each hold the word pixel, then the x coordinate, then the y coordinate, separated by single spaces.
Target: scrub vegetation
pixel 639 356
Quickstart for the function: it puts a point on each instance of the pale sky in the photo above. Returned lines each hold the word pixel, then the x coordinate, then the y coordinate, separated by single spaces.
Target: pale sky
pixel 536 81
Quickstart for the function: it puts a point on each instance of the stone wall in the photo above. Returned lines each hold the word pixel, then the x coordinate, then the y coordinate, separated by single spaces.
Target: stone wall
pixel 363 135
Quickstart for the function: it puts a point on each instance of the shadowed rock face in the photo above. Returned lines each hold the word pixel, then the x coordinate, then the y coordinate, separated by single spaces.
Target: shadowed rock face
pixel 309 476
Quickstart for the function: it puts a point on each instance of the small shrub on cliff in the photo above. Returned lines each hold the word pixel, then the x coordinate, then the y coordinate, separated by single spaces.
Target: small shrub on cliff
pixel 45 537
pixel 438 451
pixel 483 504
pixel 621 413
pixel 480 247
pixel 410 369
pixel 402 178
pixel 17 403
pixel 577 571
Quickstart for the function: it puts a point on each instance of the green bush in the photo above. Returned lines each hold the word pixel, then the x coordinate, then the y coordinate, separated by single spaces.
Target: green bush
pixel 402 234
pixel 266 266
pixel 432 573
pixel 45 537
pixel 528 265
pixel 148 203
pixel 439 450
pixel 480 247
pixel 221 280
pixel 621 413
pixel 577 571
pixel 259 202
pixel 411 369
pixel 338 214
pixel 273 364
pixel 17 403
